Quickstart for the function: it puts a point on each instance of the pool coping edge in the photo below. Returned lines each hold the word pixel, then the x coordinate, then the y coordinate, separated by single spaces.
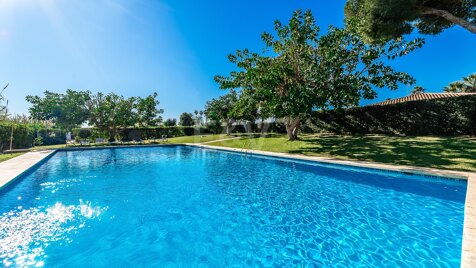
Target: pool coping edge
pixel 18 166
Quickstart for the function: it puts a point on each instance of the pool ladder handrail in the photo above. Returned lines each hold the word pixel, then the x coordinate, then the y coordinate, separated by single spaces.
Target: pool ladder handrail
pixel 244 150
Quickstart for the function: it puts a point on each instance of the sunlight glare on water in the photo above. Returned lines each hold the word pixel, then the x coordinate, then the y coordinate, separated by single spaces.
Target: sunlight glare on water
pixel 25 233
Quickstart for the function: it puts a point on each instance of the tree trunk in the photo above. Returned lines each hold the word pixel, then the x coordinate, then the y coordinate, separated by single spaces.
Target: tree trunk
pixel 450 17
pixel 262 130
pixel 229 124
pixel 112 135
pixel 292 127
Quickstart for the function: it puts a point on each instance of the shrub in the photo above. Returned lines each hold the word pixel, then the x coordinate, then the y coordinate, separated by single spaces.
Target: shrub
pixel 22 135
pixel 51 136
pixel 38 141
pixel 450 116
pixel 85 133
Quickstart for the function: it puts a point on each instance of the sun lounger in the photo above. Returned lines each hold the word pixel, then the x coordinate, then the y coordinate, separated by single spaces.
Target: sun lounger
pixel 84 142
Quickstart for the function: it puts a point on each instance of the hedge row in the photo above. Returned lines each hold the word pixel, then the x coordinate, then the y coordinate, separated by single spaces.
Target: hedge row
pixel 23 135
pixel 130 134
pixel 273 127
pixel 444 117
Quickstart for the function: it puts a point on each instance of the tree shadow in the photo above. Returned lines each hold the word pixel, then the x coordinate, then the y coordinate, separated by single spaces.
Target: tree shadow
pixel 436 152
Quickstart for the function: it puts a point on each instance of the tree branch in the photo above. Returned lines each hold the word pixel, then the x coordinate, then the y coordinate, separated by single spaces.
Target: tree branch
pixel 450 17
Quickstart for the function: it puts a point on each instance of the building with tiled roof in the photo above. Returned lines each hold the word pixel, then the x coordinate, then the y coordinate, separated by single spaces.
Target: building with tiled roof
pixel 422 96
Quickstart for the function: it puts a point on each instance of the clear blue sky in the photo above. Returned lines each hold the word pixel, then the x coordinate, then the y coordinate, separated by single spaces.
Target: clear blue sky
pixel 136 47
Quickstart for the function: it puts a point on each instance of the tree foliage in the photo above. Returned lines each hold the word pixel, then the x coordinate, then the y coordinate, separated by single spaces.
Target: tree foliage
pixel 111 112
pixel 383 20
pixel 65 110
pixel 147 112
pixel 222 109
pixel 418 90
pixel 3 105
pixel 171 122
pixel 186 119
pixel 466 85
pixel 301 71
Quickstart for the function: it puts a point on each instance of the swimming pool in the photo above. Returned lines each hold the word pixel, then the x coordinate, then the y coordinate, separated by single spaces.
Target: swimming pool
pixel 187 206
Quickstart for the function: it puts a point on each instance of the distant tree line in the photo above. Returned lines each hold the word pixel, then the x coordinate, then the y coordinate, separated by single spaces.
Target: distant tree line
pixel 107 112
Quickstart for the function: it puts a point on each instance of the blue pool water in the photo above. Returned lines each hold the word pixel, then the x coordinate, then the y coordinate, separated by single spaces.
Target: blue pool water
pixel 185 206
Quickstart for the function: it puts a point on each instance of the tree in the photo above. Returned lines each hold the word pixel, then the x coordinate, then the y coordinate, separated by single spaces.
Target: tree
pixel 470 82
pixel 301 71
pixel 196 118
pixel 201 113
pixel 147 112
pixel 3 105
pixel 222 109
pixel 65 110
pixel 466 85
pixel 418 90
pixel 455 87
pixel 186 119
pixel 383 20
pixel 110 113
pixel 171 122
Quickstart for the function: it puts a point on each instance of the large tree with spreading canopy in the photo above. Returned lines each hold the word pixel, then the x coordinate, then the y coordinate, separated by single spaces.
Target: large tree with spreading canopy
pixel 302 71
pixel 111 113
pixel 383 20
pixel 67 110
pixel 223 109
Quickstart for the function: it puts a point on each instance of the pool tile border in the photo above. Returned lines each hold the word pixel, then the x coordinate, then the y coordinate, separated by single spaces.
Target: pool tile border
pixel 17 167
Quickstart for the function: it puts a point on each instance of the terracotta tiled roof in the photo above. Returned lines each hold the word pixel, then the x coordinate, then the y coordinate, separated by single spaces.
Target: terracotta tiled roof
pixel 422 96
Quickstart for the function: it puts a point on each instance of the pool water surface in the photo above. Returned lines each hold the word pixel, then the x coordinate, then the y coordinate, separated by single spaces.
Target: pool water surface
pixel 187 206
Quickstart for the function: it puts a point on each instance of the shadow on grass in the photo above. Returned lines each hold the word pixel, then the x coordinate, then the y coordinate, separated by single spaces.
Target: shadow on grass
pixel 436 152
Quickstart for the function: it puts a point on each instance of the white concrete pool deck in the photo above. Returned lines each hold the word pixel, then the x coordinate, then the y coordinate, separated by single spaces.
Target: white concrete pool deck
pixel 13 168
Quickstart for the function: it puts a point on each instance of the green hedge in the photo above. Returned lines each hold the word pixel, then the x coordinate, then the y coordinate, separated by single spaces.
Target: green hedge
pixel 130 134
pixel 157 132
pixel 22 135
pixel 444 117
pixel 52 136
pixel 273 127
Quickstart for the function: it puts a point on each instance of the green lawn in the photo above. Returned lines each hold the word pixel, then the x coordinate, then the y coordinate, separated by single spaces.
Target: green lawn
pixel 456 153
pixel 198 138
pixel 185 139
pixel 5 157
